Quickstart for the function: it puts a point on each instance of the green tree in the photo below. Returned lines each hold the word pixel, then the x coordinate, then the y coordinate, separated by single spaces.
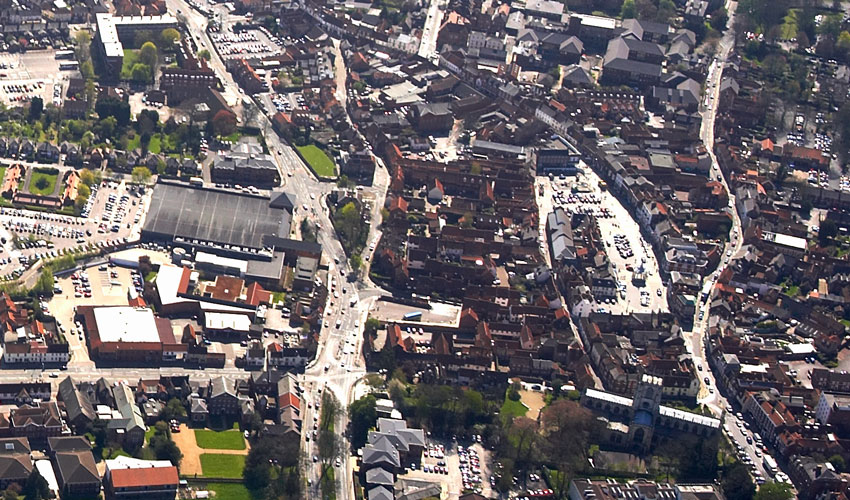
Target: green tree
pixel 141 73
pixel 362 415
pixel 370 328
pixel 141 175
pixel 843 43
pixel 36 487
pixel 737 483
pixel 84 191
pixel 827 231
pixel 148 54
pixel 350 227
pixel 89 177
pixel 82 45
pixel 356 262
pixel 169 37
pixel 719 18
pixel 838 462
pixel 42 183
pixel 87 70
pixel 774 491
pixel 666 11
pixel 204 54
pixel 36 108
pixel 174 409
pixel 830 26
pixel 628 10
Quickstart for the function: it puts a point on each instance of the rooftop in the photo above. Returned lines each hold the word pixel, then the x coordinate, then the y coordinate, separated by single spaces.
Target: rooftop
pixel 126 324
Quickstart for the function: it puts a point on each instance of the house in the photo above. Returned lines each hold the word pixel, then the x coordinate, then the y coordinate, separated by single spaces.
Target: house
pixel 632 62
pixel 15 462
pixel 221 397
pixel 78 408
pixel 130 428
pixel 432 117
pixel 74 466
pixel 132 478
pixel 36 422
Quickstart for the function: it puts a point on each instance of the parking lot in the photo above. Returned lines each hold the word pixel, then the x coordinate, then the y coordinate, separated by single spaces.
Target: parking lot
pixel 31 74
pixel 247 43
pixel 46 236
pixel 456 466
pixel 438 314
pixel 620 233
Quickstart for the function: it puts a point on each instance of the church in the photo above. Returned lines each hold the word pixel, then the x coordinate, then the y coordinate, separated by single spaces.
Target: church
pixel 636 424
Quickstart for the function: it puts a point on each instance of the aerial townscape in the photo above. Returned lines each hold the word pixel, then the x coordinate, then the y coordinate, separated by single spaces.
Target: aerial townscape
pixel 425 249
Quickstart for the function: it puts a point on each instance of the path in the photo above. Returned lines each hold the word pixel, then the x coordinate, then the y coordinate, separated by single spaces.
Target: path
pixel 191 463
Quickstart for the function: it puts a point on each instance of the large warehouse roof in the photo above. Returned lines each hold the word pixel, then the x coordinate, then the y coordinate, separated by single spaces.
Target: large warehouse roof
pixel 214 215
pixel 126 324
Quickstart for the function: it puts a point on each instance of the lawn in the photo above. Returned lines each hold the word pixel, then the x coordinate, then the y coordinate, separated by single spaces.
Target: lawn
pixel 50 179
pixel 230 491
pixel 219 440
pixel 318 160
pixel 131 57
pixel 2 173
pixel 511 409
pixel 215 465
pixel 155 145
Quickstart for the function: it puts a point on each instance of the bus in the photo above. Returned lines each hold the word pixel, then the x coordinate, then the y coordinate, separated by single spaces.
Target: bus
pixel 196 181
pixel 413 316
pixel 68 65
pixel 770 465
pixel 64 54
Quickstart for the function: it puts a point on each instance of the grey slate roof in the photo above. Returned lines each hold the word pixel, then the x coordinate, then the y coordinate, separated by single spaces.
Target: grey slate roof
pixel 379 476
pixel 380 493
pixel 76 403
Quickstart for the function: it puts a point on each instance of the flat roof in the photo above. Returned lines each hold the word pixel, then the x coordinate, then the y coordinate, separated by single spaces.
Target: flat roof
pixel 108 35
pixel 126 324
pixel 214 215
pixel 225 321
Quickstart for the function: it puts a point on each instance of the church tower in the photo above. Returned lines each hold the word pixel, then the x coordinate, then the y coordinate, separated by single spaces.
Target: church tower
pixel 645 412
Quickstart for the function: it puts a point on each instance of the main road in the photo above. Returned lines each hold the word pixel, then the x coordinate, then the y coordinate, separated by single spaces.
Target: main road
pixel 697 338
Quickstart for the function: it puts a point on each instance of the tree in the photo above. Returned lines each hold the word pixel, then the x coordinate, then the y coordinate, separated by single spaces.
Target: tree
pixel 162 445
pixel 629 10
pixel 141 175
pixel 110 107
pixel 36 107
pixel 89 177
pixel 328 445
pixel 174 409
pixel 148 54
pixel 838 462
pixel 362 415
pixel 141 73
pixel 87 70
pixel 843 43
pixel 204 54
pixel 42 183
pixel 224 123
pixel 370 328
pixel 82 44
pixel 356 262
pixel 84 191
pixel 343 182
pixel 719 18
pixel 169 37
pixel 774 491
pixel 523 436
pixel 36 487
pixel 350 227
pixel 828 230
pixel 737 483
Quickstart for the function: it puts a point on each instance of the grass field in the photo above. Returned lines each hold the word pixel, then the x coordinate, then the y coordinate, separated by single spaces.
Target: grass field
pixel 511 409
pixel 230 491
pixel 131 57
pixel 215 465
pixel 41 174
pixel 224 440
pixel 318 160
pixel 2 173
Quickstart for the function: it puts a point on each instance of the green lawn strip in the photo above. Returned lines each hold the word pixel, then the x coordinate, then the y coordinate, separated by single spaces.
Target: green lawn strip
pixel 223 440
pixel 155 145
pixel 131 57
pixel 318 160
pixel 40 174
pixel 511 409
pixel 230 491
pixel 217 465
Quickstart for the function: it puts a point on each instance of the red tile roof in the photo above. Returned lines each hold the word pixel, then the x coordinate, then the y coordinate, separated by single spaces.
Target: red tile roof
pixel 148 476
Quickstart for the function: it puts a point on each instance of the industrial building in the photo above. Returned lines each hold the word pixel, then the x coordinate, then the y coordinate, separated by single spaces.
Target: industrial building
pixel 125 334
